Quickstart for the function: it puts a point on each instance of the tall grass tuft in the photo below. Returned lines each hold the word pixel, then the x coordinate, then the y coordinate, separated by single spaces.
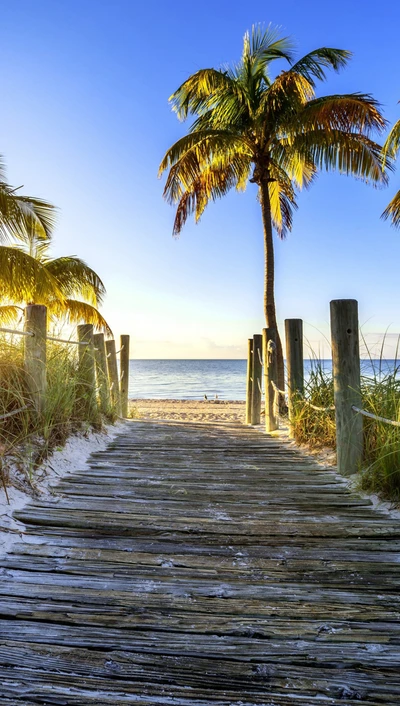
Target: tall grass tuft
pixel 311 427
pixel 26 436
pixel 381 473
pixel 380 396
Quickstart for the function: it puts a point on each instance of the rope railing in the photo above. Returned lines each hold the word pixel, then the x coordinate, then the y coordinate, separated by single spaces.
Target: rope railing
pixel 95 371
pixel 48 338
pixel 370 415
pixel 66 340
pixel 18 333
pixel 277 392
pixel 276 389
pixel 331 408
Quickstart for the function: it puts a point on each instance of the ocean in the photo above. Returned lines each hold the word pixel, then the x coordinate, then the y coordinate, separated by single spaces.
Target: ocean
pixel 192 379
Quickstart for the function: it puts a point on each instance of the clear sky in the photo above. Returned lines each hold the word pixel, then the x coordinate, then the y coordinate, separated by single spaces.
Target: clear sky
pixel 85 122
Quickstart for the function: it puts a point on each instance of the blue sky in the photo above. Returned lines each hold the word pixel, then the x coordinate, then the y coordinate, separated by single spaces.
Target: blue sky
pixel 85 122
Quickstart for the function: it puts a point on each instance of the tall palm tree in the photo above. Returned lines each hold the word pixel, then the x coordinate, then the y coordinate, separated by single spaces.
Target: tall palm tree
pixel 20 215
pixel 390 151
pixel 273 132
pixel 66 285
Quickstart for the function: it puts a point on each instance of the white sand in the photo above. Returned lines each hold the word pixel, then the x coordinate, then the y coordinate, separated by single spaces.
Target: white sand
pixel 72 456
pixel 190 410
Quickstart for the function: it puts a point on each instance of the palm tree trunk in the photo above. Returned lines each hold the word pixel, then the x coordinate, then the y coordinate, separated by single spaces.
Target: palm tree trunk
pixel 269 277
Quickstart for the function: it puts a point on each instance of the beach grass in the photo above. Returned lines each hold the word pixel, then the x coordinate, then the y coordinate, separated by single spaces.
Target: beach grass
pixel 27 435
pixel 380 396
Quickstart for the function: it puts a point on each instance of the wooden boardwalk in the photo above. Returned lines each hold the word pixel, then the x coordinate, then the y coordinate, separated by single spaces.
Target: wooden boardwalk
pixel 201 564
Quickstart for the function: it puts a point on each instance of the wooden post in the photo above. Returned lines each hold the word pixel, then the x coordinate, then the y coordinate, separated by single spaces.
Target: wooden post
pixel 113 375
pixel 102 372
pixel 347 386
pixel 270 376
pixel 35 354
pixel 294 363
pixel 256 393
pixel 124 374
pixel 87 373
pixel 249 381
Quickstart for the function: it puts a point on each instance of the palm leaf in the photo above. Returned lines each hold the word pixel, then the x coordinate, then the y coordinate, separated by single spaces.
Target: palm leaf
pixel 75 312
pixel 196 94
pixel 354 112
pixel 263 45
pixel 312 65
pixel 392 211
pixel 10 314
pixel 76 279
pixel 213 182
pixel 349 153
pixel 214 149
pixel 392 143
pixel 24 279
pixel 22 215
pixel 282 202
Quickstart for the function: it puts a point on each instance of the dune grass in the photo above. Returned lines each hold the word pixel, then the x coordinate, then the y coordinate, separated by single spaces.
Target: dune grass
pixel 381 396
pixel 26 438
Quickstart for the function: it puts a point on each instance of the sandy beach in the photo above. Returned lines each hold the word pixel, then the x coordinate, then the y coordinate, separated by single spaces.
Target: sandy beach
pixel 189 410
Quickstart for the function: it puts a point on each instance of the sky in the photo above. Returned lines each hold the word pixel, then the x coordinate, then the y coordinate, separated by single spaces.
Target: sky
pixel 85 122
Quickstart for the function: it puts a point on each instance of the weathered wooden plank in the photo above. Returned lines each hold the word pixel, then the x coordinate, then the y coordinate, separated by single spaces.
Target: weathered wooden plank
pixel 196 564
pixel 194 672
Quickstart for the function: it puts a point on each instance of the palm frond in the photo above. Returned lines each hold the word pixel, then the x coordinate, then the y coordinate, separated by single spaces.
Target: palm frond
pixel 353 112
pixel 282 201
pixel 10 314
pixel 75 312
pixel 264 44
pixel 24 279
pixel 213 182
pixel 281 103
pixel 392 211
pixel 76 279
pixel 392 143
pixel 312 65
pixel 349 153
pixel 195 94
pixel 21 215
pixel 290 166
pixel 213 150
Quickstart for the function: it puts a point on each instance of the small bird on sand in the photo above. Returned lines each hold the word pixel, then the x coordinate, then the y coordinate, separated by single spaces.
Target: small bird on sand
pixel 205 398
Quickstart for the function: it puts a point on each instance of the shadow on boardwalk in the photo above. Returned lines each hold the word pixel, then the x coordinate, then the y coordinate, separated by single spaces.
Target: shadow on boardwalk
pixel 199 564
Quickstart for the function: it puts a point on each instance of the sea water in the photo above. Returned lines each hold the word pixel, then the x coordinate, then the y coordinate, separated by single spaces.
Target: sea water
pixel 192 379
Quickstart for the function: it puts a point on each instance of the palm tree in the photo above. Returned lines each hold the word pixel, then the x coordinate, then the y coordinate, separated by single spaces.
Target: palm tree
pixel 66 285
pixel 390 150
pixel 19 215
pixel 272 132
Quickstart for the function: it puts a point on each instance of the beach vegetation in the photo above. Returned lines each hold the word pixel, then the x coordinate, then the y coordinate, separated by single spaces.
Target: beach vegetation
pixel 26 438
pixel 251 124
pixel 380 396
